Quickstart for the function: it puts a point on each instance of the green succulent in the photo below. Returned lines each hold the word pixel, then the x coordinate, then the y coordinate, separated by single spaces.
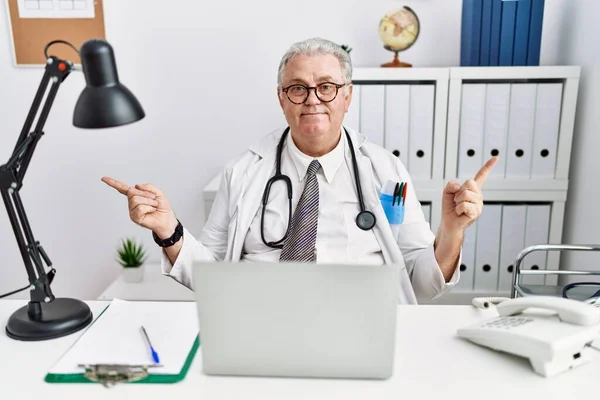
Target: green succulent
pixel 347 48
pixel 131 254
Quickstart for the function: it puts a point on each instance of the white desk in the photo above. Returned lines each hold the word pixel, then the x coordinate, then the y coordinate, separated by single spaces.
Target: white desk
pixel 431 363
pixel 154 287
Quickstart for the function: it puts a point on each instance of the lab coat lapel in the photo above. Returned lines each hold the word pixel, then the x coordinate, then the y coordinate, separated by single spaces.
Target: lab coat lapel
pixel 255 179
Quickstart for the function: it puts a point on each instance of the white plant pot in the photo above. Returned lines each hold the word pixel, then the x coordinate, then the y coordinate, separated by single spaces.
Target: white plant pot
pixel 133 275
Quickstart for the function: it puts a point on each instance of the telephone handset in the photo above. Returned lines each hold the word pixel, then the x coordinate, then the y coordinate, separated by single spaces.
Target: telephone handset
pixel 552 332
pixel 569 310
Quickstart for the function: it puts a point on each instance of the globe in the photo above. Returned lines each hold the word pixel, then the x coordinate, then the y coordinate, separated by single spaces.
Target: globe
pixel 399 30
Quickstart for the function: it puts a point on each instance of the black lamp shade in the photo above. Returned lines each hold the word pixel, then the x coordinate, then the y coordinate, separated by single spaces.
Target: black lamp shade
pixel 104 102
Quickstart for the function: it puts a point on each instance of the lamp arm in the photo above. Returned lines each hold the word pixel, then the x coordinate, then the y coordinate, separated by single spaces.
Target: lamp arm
pixel 11 181
pixel 31 250
pixel 56 70
pixel 33 110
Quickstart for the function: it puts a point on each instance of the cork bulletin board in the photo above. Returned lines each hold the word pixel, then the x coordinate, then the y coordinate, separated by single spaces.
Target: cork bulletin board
pixel 43 21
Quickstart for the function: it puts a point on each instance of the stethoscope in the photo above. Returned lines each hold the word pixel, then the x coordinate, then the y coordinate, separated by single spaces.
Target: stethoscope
pixel 365 220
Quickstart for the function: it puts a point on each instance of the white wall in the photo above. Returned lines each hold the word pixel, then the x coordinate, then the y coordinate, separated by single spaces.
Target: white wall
pixel 579 32
pixel 206 76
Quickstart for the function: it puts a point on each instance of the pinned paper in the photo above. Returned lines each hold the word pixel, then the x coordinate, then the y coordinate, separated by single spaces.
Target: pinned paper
pixel 56 8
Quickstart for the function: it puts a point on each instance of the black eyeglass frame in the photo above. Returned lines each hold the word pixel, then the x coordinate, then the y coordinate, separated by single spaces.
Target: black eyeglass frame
pixel 309 88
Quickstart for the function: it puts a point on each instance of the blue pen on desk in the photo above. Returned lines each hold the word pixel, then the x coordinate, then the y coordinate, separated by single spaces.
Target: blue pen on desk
pixel 154 353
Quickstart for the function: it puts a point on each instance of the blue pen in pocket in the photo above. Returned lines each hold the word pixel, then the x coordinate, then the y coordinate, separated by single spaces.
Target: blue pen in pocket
pixel 392 202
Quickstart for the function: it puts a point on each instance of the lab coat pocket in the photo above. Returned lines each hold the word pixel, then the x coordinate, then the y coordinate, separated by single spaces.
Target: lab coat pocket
pixel 393 212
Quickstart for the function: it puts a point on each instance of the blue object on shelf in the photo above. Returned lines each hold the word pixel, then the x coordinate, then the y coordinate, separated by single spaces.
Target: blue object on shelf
pixel 521 42
pixel 470 33
pixel 495 32
pixel 535 32
pixel 501 32
pixel 507 32
pixel 486 32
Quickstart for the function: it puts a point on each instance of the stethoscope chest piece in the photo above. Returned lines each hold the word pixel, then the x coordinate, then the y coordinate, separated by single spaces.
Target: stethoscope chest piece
pixel 365 220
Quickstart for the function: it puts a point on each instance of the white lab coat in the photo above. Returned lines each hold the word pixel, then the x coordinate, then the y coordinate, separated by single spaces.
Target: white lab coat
pixel 239 198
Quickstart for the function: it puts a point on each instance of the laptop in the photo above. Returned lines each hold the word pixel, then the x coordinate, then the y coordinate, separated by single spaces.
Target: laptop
pixel 297 320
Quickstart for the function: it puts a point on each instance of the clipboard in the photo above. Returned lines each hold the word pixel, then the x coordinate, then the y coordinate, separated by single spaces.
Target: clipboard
pixel 111 350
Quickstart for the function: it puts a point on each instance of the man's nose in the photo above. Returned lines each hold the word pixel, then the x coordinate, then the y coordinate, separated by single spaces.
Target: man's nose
pixel 312 98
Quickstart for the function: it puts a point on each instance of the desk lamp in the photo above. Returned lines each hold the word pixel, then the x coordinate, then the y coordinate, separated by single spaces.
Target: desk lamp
pixel 104 103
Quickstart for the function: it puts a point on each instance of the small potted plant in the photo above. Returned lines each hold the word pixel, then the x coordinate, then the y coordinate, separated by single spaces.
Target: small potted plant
pixel 131 256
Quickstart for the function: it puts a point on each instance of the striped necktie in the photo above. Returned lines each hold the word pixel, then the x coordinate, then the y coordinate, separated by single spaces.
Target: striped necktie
pixel 300 243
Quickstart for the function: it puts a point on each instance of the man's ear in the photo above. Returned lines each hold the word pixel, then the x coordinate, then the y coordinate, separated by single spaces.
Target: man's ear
pixel 348 98
pixel 279 96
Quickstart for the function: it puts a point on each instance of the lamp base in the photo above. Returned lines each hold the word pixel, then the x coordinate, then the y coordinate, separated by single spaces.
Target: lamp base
pixel 42 321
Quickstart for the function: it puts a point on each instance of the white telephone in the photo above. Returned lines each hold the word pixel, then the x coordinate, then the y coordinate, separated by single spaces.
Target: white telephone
pixel 553 333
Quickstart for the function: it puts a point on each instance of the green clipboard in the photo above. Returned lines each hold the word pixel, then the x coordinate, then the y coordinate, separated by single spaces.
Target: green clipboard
pixel 108 374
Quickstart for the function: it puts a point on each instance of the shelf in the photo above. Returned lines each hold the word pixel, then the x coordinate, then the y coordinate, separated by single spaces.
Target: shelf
pixel 523 195
pixel 527 184
pixel 544 72
pixel 368 74
pixel 399 74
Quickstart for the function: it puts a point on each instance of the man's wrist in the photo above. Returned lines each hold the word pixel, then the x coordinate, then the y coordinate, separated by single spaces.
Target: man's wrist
pixel 166 233
pixel 447 245
pixel 450 236
pixel 170 240
pixel 162 235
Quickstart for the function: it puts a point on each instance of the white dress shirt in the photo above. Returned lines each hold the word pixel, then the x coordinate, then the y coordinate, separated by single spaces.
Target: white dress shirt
pixel 339 239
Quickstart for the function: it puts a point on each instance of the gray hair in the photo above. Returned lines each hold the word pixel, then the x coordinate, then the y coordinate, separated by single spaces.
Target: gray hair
pixel 315 46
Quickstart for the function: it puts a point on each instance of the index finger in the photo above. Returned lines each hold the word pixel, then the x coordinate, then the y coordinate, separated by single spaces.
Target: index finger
pixel 483 173
pixel 120 186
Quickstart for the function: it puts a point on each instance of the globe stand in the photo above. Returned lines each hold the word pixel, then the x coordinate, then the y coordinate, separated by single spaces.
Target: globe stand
pixel 396 63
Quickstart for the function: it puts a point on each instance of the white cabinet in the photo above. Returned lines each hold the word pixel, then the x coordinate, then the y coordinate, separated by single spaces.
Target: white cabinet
pixel 527 120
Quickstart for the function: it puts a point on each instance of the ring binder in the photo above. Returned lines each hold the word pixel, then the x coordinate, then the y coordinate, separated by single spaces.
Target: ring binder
pixel 111 374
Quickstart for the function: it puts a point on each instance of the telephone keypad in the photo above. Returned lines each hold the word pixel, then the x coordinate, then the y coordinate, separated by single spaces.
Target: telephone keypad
pixel 507 322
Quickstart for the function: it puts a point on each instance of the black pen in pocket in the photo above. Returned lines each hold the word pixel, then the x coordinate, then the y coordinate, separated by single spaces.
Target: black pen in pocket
pixel 396 193
pixel 400 193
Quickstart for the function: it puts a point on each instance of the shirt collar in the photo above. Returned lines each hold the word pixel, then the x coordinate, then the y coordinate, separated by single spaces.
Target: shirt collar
pixel 330 162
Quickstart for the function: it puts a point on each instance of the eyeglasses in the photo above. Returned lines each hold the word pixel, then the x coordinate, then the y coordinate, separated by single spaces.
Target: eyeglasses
pixel 325 92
